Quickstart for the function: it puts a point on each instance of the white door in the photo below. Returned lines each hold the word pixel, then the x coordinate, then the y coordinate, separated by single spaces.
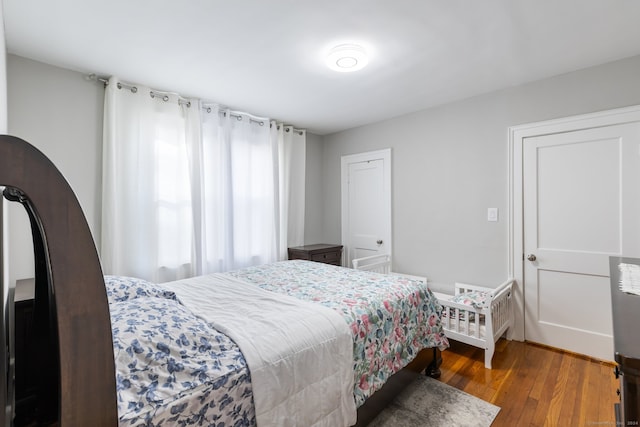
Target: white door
pixel 366 204
pixel 581 205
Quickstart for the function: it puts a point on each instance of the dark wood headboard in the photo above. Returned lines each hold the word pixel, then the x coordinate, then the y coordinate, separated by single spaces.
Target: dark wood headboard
pixel 71 320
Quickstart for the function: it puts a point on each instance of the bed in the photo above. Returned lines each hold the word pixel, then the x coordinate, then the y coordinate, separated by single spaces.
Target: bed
pixel 388 321
pixel 73 320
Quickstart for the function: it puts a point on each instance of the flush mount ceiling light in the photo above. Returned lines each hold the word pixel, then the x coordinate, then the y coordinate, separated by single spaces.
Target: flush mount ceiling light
pixel 346 58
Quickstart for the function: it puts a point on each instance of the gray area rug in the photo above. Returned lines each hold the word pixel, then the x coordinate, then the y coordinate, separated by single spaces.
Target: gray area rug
pixel 427 402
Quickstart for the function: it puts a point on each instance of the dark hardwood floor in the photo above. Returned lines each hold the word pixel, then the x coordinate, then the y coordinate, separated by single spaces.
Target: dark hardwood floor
pixel 535 385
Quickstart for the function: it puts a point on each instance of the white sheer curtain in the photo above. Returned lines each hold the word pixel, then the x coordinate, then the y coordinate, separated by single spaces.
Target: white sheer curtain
pixel 239 216
pixel 146 205
pixel 192 189
pixel 292 160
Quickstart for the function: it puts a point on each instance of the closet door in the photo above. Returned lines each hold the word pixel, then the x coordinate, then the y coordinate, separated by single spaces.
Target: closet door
pixel 581 205
pixel 366 204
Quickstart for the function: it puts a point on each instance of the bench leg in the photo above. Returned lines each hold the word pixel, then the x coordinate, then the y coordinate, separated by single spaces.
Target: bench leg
pixel 488 354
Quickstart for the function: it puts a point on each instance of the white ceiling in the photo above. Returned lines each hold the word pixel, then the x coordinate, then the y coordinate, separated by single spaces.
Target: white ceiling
pixel 266 57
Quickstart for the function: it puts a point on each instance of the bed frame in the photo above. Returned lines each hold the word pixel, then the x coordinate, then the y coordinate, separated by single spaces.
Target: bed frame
pixel 71 313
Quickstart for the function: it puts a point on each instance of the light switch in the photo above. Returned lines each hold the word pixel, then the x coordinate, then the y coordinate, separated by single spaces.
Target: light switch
pixel 492 214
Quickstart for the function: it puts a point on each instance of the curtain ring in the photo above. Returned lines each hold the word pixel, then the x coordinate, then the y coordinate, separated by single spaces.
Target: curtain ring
pixel 133 89
pixel 165 97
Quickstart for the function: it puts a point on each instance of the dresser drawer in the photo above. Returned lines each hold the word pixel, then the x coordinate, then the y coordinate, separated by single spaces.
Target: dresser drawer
pixel 328 257
pixel 328 254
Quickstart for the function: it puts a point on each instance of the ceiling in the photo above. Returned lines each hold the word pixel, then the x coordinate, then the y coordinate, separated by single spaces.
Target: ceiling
pixel 267 57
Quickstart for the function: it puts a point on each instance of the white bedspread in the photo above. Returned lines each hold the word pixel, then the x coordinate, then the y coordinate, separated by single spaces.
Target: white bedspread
pixel 300 355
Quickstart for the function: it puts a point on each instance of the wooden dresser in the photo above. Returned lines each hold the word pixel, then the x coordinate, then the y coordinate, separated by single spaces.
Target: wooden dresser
pixel 328 254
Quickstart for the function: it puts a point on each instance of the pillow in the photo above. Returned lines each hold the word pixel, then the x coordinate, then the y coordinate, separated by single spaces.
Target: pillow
pixel 475 299
pixel 121 288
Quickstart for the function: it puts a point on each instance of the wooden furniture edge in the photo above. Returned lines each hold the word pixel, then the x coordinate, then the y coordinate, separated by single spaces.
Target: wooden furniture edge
pixel 71 312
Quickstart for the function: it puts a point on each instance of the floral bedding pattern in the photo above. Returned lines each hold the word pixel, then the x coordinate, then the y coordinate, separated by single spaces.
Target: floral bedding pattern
pixel 122 288
pixel 172 369
pixel 392 317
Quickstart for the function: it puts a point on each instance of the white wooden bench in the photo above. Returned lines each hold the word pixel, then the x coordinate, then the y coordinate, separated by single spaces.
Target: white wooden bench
pixel 478 316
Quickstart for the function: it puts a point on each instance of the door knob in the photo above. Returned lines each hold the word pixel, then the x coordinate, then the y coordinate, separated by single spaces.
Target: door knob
pixel 379 242
pixel 531 257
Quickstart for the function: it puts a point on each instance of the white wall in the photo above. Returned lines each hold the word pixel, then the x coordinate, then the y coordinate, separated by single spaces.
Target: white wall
pixel 314 202
pixel 450 164
pixel 60 113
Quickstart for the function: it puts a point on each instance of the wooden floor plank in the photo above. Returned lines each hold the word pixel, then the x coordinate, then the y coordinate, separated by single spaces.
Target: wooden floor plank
pixel 569 391
pixel 581 405
pixel 547 389
pixel 591 415
pixel 608 386
pixel 542 360
pixel 535 385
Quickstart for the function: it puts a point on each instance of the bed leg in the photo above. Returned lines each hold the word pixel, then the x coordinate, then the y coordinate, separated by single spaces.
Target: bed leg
pixel 433 370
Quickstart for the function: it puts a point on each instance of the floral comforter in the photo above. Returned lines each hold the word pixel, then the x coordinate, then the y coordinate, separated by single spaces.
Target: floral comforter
pixel 392 317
